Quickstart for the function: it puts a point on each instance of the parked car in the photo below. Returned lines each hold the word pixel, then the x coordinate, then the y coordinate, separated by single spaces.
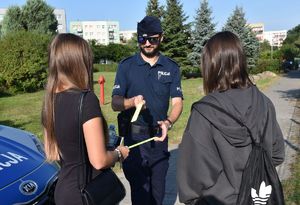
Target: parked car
pixel 25 176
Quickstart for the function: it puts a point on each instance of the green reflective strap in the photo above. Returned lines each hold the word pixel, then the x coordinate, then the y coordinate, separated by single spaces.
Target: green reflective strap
pixel 142 142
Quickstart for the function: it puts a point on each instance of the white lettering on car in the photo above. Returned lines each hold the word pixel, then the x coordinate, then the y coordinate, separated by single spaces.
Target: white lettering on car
pixel 9 159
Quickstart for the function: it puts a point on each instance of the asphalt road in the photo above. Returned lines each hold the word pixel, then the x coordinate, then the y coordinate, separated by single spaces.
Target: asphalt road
pixel 285 94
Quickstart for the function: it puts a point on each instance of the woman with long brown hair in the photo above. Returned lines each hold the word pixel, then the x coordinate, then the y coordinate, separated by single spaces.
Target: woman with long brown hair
pixel 70 73
pixel 215 147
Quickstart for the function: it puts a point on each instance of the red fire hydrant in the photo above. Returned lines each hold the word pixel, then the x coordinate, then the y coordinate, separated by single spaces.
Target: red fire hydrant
pixel 101 82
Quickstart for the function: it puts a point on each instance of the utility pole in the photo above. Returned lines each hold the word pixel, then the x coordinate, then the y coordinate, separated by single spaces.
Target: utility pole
pixel 272 50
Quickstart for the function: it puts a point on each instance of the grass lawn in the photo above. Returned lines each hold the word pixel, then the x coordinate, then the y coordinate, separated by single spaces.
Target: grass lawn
pixel 291 186
pixel 23 110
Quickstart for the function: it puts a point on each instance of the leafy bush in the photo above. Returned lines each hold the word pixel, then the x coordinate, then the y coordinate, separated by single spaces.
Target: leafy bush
pixel 289 52
pixel 262 65
pixel 190 71
pixel 23 61
pixel 111 52
pixel 105 67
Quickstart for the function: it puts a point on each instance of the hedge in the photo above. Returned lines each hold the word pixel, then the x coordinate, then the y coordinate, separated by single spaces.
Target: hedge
pixel 190 72
pixel 23 62
pixel 262 65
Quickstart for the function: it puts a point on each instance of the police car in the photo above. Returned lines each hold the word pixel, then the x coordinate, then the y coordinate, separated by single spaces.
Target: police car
pixel 25 176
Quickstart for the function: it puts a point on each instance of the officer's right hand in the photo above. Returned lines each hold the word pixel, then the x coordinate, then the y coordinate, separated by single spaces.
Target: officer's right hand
pixel 138 99
pixel 124 151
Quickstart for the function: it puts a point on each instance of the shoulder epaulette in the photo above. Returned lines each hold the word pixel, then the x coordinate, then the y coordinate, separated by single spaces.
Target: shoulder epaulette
pixel 170 59
pixel 126 59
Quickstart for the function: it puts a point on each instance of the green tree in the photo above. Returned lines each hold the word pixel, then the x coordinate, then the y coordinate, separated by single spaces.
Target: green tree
pixel 133 44
pixel 23 61
pixel 264 46
pixel 237 24
pixel 153 9
pixel 12 20
pixel 38 16
pixel 118 52
pixel 112 52
pixel 268 60
pixel 289 52
pixel 35 15
pixel 265 50
pixel 293 35
pixel 291 45
pixel 203 29
pixel 99 51
pixel 176 33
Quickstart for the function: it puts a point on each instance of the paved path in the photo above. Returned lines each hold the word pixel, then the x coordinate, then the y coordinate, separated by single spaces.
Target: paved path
pixel 284 94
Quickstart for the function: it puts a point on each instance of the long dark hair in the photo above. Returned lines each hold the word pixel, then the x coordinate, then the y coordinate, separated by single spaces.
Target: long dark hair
pixel 224 63
pixel 69 58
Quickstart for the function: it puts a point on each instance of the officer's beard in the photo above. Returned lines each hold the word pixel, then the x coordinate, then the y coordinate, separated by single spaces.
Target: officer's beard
pixel 151 54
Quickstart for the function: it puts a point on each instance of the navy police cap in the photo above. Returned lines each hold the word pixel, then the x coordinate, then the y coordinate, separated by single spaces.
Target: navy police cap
pixel 150 25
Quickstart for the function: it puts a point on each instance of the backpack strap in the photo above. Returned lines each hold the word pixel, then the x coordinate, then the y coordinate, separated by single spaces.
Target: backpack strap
pixel 239 121
pixel 262 137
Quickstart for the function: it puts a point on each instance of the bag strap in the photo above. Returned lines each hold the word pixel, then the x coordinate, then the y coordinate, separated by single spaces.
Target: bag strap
pixel 239 121
pixel 82 148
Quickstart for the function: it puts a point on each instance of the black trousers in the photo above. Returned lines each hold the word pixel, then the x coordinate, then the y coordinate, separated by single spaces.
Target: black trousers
pixel 146 168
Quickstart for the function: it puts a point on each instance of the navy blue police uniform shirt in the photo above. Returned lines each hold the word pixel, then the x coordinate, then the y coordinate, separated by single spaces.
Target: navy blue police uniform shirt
pixel 156 83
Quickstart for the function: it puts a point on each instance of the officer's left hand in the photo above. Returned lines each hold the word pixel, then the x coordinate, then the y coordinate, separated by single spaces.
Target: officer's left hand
pixel 164 131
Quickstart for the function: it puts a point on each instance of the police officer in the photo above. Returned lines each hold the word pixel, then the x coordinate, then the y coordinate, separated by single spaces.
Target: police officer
pixel 150 78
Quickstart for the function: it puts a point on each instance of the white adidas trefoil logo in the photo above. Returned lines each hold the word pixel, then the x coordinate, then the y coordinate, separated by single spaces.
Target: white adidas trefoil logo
pixel 264 194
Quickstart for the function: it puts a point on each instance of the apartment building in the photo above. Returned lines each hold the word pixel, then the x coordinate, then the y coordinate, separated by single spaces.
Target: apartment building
pixel 104 32
pixel 275 38
pixel 125 36
pixel 60 15
pixel 258 30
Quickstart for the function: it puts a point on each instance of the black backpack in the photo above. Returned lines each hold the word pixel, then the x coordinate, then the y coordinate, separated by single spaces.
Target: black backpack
pixel 260 183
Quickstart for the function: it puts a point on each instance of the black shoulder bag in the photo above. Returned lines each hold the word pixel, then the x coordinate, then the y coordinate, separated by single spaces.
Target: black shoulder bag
pixel 106 188
pixel 260 184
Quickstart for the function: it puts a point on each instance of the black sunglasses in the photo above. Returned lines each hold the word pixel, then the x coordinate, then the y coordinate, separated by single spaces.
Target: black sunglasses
pixel 152 40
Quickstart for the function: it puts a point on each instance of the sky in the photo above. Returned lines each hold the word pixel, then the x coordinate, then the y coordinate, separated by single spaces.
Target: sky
pixel 275 14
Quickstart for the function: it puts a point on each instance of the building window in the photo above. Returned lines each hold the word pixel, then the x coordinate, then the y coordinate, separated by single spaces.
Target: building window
pixel 111 35
pixel 79 30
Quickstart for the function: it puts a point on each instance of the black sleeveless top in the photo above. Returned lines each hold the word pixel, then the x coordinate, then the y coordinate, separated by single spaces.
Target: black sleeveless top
pixel 66 132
